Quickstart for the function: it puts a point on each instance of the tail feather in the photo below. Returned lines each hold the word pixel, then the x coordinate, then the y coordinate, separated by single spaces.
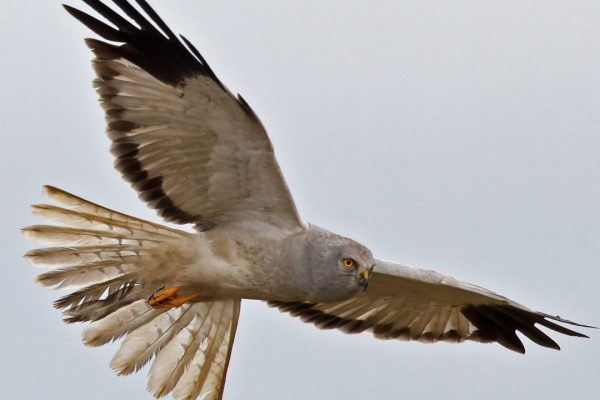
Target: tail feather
pixel 80 255
pixel 83 237
pixel 71 218
pixel 141 345
pixel 93 310
pixel 189 386
pixel 102 214
pixel 87 304
pixel 172 361
pixel 96 271
pixel 99 252
pixel 121 322
pixel 102 254
pixel 205 371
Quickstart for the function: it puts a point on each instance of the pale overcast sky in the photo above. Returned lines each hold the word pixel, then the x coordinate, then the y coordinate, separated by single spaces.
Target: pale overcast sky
pixel 462 136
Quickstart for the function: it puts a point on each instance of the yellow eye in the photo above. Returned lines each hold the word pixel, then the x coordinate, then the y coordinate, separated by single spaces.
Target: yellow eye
pixel 348 263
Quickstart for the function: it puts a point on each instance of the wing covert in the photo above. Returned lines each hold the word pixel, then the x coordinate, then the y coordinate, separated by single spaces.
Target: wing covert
pixel 194 152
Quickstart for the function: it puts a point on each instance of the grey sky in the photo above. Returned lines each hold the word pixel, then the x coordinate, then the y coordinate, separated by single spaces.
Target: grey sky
pixel 460 136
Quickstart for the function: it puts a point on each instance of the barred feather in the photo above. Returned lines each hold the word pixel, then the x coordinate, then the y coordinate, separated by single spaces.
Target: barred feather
pixel 143 343
pixel 78 255
pixel 202 375
pixel 101 254
pixel 170 363
pixel 79 275
pixel 84 237
pixel 93 310
pixel 70 218
pixel 119 323
pixel 85 207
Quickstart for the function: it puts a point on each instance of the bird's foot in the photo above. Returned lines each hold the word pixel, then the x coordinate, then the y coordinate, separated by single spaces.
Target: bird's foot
pixel 167 297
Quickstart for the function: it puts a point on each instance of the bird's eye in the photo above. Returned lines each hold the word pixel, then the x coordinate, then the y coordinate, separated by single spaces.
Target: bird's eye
pixel 348 263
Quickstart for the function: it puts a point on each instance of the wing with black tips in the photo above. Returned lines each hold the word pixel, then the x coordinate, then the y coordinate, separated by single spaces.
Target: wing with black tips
pixel 192 150
pixel 413 304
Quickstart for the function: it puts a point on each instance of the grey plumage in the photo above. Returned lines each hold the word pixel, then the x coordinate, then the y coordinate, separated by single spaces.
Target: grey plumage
pixel 199 155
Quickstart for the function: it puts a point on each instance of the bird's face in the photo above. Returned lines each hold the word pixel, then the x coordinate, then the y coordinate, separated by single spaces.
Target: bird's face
pixel 354 263
pixel 333 267
pixel 338 268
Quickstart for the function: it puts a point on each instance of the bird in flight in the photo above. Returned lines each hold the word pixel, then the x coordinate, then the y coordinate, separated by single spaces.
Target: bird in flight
pixel 199 156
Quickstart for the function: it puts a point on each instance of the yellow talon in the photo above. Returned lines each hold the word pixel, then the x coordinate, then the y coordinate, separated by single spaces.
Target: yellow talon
pixel 167 297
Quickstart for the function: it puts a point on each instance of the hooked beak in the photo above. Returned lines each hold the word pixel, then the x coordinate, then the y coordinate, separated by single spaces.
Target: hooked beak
pixel 363 278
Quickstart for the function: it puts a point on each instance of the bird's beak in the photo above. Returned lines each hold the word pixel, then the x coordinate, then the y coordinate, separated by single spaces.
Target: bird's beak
pixel 363 278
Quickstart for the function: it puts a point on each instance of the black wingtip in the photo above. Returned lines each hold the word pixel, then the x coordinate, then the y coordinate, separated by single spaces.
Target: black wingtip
pixel 158 52
pixel 69 9
pixel 500 322
pixel 546 320
pixel 97 26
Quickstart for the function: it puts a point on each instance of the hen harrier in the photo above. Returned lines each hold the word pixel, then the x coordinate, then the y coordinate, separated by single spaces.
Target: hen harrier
pixel 199 155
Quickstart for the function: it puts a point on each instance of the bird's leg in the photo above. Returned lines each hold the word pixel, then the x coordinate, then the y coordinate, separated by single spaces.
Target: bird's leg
pixel 167 297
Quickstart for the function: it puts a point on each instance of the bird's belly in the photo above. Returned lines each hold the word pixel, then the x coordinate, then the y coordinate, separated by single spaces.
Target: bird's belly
pixel 217 266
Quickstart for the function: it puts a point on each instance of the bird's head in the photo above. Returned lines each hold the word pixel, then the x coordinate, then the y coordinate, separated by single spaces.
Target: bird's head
pixel 338 267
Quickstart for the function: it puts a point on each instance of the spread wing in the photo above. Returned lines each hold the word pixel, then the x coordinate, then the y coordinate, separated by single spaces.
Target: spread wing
pixel 193 151
pixel 412 304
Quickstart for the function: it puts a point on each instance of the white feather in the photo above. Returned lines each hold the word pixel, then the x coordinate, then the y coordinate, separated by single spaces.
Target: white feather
pixel 120 323
pixel 143 343
pixel 193 381
pixel 175 357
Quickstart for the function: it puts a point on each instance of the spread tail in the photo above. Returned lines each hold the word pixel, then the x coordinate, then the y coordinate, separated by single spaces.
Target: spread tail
pixel 100 255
